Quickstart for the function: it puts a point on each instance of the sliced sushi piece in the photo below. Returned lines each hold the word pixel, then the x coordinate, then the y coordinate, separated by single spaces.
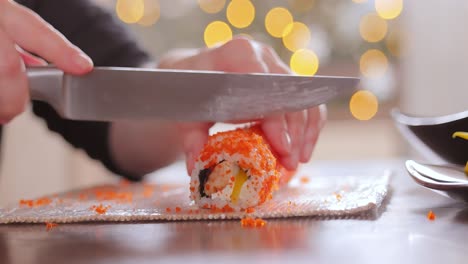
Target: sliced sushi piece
pixel 236 170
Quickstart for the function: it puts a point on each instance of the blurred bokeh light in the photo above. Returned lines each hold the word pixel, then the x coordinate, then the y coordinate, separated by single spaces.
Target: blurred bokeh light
pixel 212 6
pixel 373 63
pixel 151 14
pixel 373 28
pixel 276 21
pixel 217 32
pixel 130 11
pixel 316 37
pixel 296 36
pixel 389 9
pixel 363 105
pixel 304 62
pixel 240 13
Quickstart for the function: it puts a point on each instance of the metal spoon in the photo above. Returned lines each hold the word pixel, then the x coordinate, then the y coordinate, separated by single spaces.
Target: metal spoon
pixel 439 173
pixel 446 180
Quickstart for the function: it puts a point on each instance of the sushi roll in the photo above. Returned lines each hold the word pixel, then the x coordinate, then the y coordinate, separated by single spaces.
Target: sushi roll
pixel 236 170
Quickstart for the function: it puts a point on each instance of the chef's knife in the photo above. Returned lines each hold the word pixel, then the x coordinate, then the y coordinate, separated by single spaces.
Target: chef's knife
pixel 110 93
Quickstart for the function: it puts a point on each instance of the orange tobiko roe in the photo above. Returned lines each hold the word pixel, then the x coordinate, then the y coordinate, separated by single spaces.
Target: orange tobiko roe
pixel 250 210
pixel 248 142
pixel 304 179
pixel 36 203
pixel 431 215
pixel 251 222
pixel 29 203
pixel 49 226
pixel 100 209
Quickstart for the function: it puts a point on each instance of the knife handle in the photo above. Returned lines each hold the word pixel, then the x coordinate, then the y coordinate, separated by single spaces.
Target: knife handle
pixel 45 84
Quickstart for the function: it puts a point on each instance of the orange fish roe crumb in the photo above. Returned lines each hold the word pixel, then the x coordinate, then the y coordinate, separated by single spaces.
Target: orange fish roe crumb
pixel 304 179
pixel 431 215
pixel 42 201
pixel 100 209
pixel 251 222
pixel 227 209
pixel 83 197
pixel 108 195
pixel 148 191
pixel 338 196
pixel 215 209
pixel 49 226
pixel 250 210
pixel 28 203
pixel 168 209
pixel 36 203
pixel 178 210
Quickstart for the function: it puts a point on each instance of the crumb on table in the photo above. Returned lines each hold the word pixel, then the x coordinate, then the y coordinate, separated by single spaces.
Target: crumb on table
pixel 100 209
pixel 305 179
pixel 431 216
pixel 252 222
pixel 49 226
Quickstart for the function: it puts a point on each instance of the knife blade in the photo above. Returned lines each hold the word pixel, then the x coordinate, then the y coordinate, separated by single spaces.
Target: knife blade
pixel 114 93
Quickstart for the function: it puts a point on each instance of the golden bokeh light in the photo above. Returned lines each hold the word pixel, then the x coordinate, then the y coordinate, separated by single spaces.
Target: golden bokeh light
pixel 363 105
pixel 130 11
pixel 304 62
pixel 240 13
pixel 211 6
pixel 389 9
pixel 301 6
pixel 217 32
pixel 373 63
pixel 296 36
pixel 151 14
pixel 276 21
pixel 373 28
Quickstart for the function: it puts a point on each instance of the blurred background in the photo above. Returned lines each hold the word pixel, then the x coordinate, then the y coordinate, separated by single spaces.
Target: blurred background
pixel 408 54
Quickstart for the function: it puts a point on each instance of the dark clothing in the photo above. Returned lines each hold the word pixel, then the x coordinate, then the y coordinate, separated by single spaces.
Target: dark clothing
pixel 108 43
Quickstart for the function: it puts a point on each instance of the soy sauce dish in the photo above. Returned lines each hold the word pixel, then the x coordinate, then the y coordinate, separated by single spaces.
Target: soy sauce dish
pixel 443 137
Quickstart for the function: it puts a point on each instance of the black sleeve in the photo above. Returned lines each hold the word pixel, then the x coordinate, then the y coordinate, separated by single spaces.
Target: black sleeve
pixel 108 43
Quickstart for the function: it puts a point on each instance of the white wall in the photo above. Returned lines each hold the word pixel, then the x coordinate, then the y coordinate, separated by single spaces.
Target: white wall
pixel 436 57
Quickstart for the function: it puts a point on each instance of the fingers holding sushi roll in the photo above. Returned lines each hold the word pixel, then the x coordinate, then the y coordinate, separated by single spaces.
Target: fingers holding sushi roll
pixel 296 127
pixel 292 136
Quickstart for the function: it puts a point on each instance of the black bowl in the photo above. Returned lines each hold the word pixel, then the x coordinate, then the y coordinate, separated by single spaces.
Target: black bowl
pixel 432 136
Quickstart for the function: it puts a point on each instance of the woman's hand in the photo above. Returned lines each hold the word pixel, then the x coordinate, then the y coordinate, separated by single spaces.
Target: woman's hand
pixel 21 31
pixel 293 135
